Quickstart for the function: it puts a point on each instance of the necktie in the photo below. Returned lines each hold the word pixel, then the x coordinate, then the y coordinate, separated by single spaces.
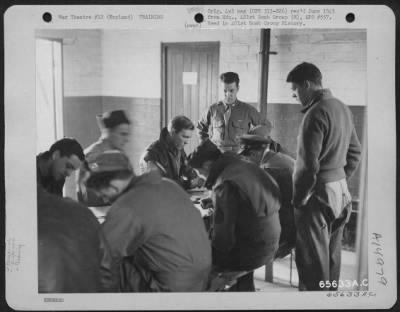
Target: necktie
pixel 227 115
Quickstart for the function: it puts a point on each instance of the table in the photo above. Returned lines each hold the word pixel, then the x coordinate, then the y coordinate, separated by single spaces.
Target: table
pixel 196 195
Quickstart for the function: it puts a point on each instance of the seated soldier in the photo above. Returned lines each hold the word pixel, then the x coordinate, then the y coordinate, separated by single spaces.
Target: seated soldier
pixel 59 162
pixel 115 128
pixel 246 229
pixel 167 154
pixel 157 238
pixel 256 147
pixel 71 248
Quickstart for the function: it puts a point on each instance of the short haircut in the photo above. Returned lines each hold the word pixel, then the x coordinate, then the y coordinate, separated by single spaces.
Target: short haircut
pixel 68 147
pixel 305 71
pixel 112 119
pixel 180 123
pixel 206 151
pixel 103 179
pixel 230 77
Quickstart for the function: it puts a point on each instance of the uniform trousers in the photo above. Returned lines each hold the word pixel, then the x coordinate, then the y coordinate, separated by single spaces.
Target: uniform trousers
pixel 320 224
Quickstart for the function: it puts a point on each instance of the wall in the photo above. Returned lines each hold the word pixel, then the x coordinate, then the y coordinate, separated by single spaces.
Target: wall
pixel 132 59
pixel 340 55
pixel 121 69
pixel 132 70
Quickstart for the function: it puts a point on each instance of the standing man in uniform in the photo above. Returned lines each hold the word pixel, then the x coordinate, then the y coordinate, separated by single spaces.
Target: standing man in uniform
pixel 328 153
pixel 224 122
pixel 115 133
pixel 55 165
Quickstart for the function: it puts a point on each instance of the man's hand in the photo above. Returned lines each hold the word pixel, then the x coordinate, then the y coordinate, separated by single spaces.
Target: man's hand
pixel 197 182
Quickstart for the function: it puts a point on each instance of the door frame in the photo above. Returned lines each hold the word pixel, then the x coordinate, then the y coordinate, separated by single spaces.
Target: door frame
pixel 164 47
pixel 58 115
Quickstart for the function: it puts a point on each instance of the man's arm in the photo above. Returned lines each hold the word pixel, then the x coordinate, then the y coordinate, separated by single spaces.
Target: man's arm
pixel 225 201
pixel 255 117
pixel 203 125
pixel 309 147
pixel 108 278
pixel 191 175
pixel 150 161
pixel 353 156
pixel 124 235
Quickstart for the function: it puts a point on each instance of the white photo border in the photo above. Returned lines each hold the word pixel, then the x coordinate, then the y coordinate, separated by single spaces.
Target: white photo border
pixel 20 24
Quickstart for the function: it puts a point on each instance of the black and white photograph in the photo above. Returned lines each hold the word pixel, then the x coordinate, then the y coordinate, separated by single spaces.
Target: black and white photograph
pixel 223 158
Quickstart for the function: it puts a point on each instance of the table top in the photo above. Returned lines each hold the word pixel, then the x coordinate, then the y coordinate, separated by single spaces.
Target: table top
pixel 196 195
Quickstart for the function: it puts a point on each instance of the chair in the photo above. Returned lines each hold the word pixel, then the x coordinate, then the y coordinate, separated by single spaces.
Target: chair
pixel 285 248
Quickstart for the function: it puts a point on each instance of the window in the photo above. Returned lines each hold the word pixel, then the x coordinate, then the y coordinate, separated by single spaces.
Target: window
pixel 49 95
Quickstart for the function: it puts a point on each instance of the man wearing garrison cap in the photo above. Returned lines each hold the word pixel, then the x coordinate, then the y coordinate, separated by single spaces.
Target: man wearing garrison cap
pixel 245 227
pixel 115 132
pixel 225 121
pixel 258 147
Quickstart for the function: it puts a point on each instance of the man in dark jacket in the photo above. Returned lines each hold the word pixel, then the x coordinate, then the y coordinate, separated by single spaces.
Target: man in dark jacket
pixel 328 153
pixel 167 154
pixel 246 228
pixel 225 121
pixel 55 165
pixel 157 237
pixel 71 249
pixel 258 147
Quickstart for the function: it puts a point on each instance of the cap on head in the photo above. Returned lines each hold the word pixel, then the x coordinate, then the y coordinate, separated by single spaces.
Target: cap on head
pixel 110 161
pixel 257 134
pixel 112 119
pixel 256 138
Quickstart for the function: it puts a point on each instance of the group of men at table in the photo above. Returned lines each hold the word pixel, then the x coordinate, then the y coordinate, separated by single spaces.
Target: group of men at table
pixel 153 239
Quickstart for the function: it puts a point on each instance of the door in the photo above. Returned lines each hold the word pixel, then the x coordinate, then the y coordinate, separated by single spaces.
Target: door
pixel 189 81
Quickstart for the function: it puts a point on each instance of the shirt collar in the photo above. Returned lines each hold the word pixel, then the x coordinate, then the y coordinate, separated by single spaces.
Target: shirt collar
pixel 230 105
pixel 166 140
pixel 316 97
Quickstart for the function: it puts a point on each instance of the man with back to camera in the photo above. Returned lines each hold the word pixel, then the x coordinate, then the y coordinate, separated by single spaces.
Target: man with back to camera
pixel 55 165
pixel 258 147
pixel 328 153
pixel 225 121
pixel 115 133
pixel 157 237
pixel 72 251
pixel 245 229
pixel 167 154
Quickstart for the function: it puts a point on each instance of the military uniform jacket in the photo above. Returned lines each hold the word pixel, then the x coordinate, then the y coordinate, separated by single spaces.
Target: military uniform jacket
pixel 223 131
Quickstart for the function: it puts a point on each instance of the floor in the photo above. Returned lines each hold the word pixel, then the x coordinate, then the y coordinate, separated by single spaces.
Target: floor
pixel 281 271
